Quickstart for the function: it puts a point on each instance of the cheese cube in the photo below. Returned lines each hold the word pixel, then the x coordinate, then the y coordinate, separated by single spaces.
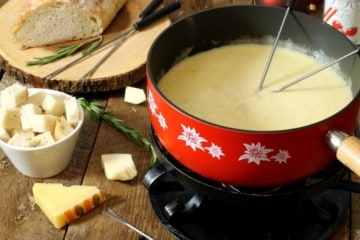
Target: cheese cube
pixel 24 139
pixel 53 105
pixel 72 111
pixel 63 204
pixel 42 123
pixel 10 118
pixel 134 95
pixel 62 128
pixel 118 166
pixel 14 95
pixel 44 139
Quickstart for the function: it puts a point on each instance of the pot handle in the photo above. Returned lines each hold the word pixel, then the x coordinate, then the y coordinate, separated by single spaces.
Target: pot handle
pixel 347 149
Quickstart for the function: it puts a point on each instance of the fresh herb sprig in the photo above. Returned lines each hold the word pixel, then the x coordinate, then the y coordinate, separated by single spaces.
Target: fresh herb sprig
pixel 95 110
pixel 66 51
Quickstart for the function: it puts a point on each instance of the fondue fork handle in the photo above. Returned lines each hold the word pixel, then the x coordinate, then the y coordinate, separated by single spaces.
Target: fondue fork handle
pixel 143 22
pixel 315 71
pixel 289 5
pixel 347 149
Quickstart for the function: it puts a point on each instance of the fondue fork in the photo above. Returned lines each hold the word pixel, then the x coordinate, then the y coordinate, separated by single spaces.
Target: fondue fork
pixel 136 27
pixel 289 5
pixel 120 219
pixel 146 17
pixel 315 71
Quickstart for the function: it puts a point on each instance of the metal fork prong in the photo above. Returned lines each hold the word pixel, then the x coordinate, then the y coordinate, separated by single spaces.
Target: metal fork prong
pixel 120 219
pixel 87 75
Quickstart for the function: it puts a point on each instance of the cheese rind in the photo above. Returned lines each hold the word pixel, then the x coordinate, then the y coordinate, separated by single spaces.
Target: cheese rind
pixel 63 204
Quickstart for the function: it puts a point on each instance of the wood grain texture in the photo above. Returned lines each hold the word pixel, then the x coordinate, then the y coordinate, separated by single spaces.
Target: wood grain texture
pixel 124 67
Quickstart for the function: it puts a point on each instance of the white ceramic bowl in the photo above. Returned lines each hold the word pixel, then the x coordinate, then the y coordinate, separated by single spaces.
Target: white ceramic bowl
pixel 44 161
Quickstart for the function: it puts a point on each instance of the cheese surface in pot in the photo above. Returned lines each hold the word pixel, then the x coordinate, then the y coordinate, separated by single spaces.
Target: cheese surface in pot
pixel 219 86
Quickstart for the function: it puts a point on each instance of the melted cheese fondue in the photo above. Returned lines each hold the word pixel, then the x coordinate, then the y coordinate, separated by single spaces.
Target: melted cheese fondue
pixel 219 86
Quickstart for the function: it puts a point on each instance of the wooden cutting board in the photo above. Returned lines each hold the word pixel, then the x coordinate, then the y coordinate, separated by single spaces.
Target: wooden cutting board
pixel 124 67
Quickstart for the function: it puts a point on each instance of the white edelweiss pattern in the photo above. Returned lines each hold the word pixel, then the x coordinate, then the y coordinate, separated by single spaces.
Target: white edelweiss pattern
pixel 215 151
pixel 191 138
pixel 162 121
pixel 153 108
pixel 282 156
pixel 255 153
pixel 152 103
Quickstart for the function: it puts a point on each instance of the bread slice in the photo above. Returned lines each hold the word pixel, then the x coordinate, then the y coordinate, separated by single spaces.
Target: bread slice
pixel 46 22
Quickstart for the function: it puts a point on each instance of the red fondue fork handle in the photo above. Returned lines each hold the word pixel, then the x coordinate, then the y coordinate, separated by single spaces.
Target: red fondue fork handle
pixel 347 149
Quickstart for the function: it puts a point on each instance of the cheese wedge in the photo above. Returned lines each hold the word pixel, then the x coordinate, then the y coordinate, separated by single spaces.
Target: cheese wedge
pixel 63 204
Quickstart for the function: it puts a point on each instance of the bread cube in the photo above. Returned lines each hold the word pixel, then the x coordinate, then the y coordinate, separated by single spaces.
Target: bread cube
pixel 62 128
pixel 44 139
pixel 24 139
pixel 72 110
pixel 10 118
pixel 36 98
pixel 53 105
pixel 43 123
pixel 4 135
pixel 30 108
pixel 14 96
pixel 26 112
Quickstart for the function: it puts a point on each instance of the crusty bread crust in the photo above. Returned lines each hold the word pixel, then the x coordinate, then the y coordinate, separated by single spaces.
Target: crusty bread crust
pixel 46 22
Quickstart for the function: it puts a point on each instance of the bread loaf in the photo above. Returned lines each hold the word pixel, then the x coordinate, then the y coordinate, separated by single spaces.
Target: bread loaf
pixel 46 22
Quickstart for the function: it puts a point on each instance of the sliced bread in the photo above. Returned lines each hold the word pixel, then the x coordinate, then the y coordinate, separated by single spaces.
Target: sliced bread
pixel 46 22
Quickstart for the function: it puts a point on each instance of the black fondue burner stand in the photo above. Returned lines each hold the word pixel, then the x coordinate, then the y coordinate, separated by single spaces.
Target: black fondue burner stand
pixel 194 208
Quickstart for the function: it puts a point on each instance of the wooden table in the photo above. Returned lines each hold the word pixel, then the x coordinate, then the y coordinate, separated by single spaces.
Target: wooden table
pixel 22 219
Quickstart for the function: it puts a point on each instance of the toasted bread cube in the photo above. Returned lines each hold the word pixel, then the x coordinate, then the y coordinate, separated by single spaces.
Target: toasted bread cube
pixel 30 108
pixel 36 98
pixel 43 123
pixel 134 95
pixel 62 128
pixel 4 135
pixel 26 121
pixel 10 118
pixel 24 139
pixel 72 110
pixel 53 105
pixel 14 96
pixel 26 112
pixel 45 138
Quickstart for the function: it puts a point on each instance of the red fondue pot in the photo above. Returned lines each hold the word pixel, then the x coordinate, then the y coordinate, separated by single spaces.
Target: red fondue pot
pixel 236 156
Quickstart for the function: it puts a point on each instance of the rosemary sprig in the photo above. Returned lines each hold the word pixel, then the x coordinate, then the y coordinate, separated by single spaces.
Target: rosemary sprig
pixel 66 51
pixel 95 110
